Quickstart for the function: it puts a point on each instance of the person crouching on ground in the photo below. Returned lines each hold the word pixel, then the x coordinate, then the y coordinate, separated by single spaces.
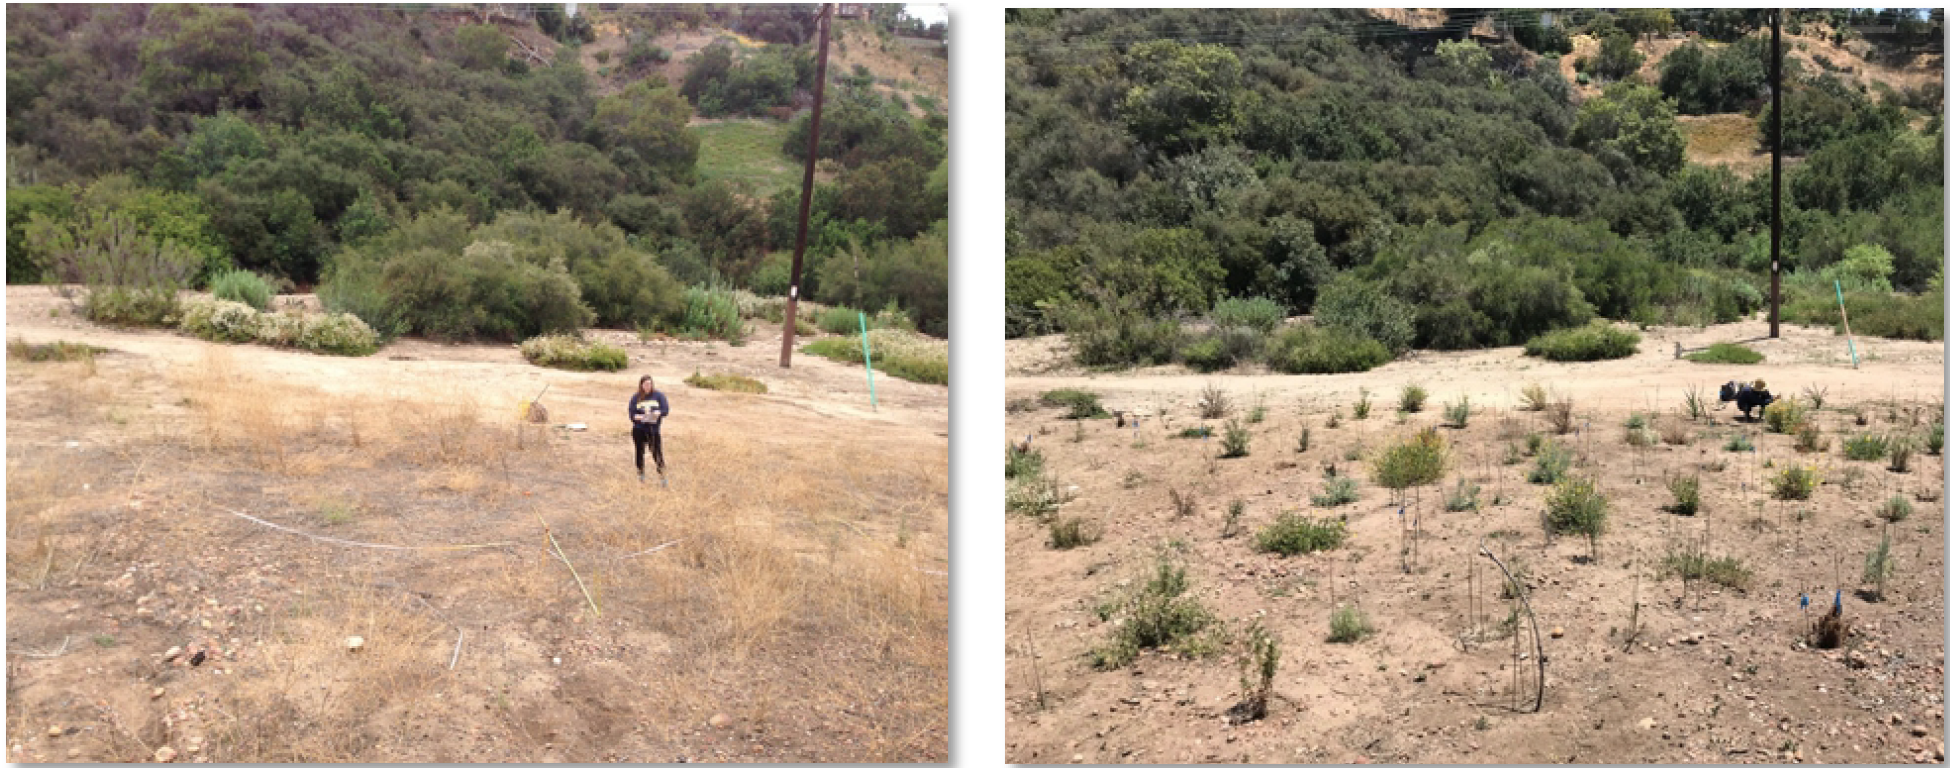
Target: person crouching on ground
pixel 647 411
pixel 1753 397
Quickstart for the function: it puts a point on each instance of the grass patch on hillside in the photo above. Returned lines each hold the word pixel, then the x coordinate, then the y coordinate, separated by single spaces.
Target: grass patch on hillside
pixel 60 351
pixel 1733 354
pixel 896 352
pixel 726 382
pixel 746 151
pixel 565 351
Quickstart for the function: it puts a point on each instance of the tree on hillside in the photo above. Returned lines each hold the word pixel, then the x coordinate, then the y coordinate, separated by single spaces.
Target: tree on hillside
pixel 1184 96
pixel 480 46
pixel 1639 22
pixel 1617 58
pixel 1634 123
pixel 205 57
pixel 647 132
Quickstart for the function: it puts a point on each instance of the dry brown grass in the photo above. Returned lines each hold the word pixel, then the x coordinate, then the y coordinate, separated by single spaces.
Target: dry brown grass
pixel 794 590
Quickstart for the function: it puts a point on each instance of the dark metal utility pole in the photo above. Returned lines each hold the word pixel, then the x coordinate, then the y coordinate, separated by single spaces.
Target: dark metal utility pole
pixel 805 190
pixel 1774 310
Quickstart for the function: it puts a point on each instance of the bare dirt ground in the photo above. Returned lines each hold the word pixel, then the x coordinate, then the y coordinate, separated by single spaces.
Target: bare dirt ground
pixel 801 614
pixel 1721 677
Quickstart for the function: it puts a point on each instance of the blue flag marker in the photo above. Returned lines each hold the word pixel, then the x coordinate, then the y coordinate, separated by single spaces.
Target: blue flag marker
pixel 1838 602
pixel 1804 601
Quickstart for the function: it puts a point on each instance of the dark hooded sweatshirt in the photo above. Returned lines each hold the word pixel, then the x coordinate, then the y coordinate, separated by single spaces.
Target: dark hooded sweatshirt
pixel 654 406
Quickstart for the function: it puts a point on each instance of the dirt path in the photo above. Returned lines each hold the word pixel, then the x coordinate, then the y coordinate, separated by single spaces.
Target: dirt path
pixel 497 375
pixel 1649 380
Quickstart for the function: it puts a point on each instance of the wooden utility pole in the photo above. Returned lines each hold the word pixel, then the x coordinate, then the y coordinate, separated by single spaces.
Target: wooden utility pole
pixel 1774 309
pixel 805 190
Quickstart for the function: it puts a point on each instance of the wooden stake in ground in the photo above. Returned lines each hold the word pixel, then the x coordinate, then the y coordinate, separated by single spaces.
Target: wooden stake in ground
pixel 572 566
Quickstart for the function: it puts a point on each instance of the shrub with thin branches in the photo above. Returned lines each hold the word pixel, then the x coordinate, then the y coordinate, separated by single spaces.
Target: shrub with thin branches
pixel 1339 490
pixel 1214 403
pixel 1895 510
pixel 1412 398
pixel 1348 625
pixel 1576 507
pixel 1292 534
pixel 1535 398
pixel 1457 413
pixel 1685 494
pixel 1794 483
pixel 1865 447
pixel 1237 440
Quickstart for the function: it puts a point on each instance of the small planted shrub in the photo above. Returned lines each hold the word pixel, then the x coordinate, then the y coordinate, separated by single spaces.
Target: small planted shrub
pixel 1183 504
pixel 1072 532
pixel 1199 432
pixel 1560 415
pixel 1256 671
pixel 1306 438
pixel 1412 398
pixel 1214 403
pixel 1083 404
pixel 1157 615
pixel 1900 451
pixel 574 353
pixel 1640 437
pixel 1575 507
pixel 1420 459
pixel 1865 447
pixel 1038 496
pixel 242 287
pixel 1895 510
pixel 1727 354
pixel 1362 405
pixel 1237 440
pixel 1457 413
pixel 1817 396
pixel 1233 512
pixel 1795 483
pixel 1696 402
pixel 1022 463
pixel 1339 490
pixel 1685 495
pixel 1464 498
pixel 726 382
pixel 1786 416
pixel 1293 534
pixel 1348 625
pixel 1809 438
pixel 1674 432
pixel 1553 461
pixel 1934 441
pixel 1739 444
pixel 1597 341
pixel 1879 566
pixel 1535 398
pixel 1694 565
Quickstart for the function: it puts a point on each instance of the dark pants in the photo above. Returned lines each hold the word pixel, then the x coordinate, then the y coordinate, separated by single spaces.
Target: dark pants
pixel 654 439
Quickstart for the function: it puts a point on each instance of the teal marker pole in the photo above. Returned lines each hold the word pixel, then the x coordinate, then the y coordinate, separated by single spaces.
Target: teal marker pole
pixel 866 351
pixel 1851 334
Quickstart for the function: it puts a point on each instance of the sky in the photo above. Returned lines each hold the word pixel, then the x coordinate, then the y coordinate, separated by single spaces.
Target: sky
pixel 930 12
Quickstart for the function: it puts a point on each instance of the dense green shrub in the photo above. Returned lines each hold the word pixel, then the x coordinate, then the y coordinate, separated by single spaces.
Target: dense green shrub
pixel 1083 403
pixel 1305 349
pixel 712 313
pixel 1293 534
pixel 487 293
pixel 1118 335
pixel 1258 314
pixel 574 353
pixel 241 286
pixel 1727 354
pixel 1597 341
pixel 220 320
pixel 1360 309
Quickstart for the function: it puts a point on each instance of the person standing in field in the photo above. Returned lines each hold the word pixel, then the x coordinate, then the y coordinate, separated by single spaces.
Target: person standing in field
pixel 648 407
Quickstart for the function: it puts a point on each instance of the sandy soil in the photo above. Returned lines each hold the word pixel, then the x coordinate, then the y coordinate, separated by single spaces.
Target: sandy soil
pixel 802 615
pixel 1430 685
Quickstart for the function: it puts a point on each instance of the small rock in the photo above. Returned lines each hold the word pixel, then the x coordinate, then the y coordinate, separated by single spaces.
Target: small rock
pixel 1648 723
pixel 1918 730
pixel 355 643
pixel 165 754
pixel 156 693
pixel 720 720
pixel 558 661
pixel 1076 758
pixel 1895 718
pixel 1557 632
pixel 53 731
pixel 74 753
pixel 173 652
